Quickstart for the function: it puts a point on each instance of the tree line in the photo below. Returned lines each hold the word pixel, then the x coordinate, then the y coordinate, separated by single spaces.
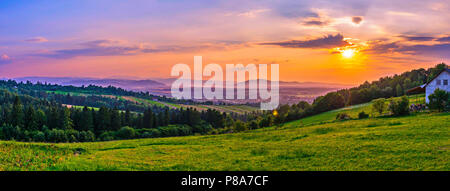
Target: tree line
pixel 385 87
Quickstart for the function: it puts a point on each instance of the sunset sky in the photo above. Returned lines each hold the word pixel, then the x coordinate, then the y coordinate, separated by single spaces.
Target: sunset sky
pixel 346 41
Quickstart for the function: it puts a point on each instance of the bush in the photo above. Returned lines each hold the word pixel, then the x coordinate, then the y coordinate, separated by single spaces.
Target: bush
pixel 57 135
pixel 399 106
pixel 126 133
pixel 88 136
pixel 107 136
pixel 240 126
pixel 10 132
pixel 184 130
pixel 379 105
pixel 253 124
pixel 38 136
pixel 363 115
pixel 202 128
pixel 169 131
pixel 342 116
pixel 439 100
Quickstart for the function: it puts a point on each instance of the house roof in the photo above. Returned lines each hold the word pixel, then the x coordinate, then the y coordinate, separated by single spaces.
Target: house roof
pixel 444 70
pixel 418 89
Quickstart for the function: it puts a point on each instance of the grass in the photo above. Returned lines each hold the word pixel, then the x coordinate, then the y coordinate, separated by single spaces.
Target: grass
pixel 419 141
pixel 239 109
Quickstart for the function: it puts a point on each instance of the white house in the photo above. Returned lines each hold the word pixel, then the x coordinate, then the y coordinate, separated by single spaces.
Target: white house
pixel 440 81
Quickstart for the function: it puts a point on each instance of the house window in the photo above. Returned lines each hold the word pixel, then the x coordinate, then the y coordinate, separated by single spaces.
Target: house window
pixel 445 82
pixel 438 82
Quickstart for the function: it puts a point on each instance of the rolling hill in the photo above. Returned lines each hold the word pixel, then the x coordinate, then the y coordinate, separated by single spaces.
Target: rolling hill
pixel 419 141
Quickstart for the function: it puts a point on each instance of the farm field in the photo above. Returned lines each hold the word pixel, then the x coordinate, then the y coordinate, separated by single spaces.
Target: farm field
pixel 420 141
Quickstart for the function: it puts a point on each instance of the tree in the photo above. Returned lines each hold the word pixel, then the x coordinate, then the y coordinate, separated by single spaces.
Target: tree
pixel 115 120
pixel 148 119
pixel 87 121
pixel 126 133
pixel 399 90
pixel 30 117
pixel 103 120
pixel 407 84
pixel 439 100
pixel 127 118
pixel 65 122
pixel 40 119
pixel 328 102
pixel 17 113
pixel 379 105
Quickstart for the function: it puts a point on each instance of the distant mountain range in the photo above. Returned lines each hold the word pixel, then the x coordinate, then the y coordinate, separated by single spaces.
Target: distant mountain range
pixel 137 85
pixel 289 91
pixel 156 83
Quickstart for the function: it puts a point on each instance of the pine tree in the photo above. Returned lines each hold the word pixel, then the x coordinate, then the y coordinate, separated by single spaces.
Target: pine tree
pixel 65 122
pixel 17 113
pixel 127 120
pixel 87 121
pixel 115 120
pixel 30 122
pixel 40 119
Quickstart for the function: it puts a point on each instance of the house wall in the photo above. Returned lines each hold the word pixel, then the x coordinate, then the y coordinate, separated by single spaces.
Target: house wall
pixel 432 85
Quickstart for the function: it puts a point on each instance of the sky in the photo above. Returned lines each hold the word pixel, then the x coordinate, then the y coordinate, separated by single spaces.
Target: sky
pixel 344 41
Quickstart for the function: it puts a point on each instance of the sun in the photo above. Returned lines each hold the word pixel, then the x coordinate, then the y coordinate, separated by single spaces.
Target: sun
pixel 348 53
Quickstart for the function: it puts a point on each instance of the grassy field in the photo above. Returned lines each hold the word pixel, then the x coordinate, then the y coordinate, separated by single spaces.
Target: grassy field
pixel 419 141
pixel 239 109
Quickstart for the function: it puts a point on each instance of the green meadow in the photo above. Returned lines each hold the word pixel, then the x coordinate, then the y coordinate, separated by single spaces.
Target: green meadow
pixel 420 141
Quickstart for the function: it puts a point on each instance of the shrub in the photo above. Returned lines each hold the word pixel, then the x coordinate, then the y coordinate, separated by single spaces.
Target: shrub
pixel 57 135
pixel 379 105
pixel 439 100
pixel 10 132
pixel 253 124
pixel 155 133
pixel 126 133
pixel 169 131
pixel 202 128
pixel 342 116
pixel 107 136
pixel 240 126
pixel 399 106
pixel 363 115
pixel 184 130
pixel 88 136
pixel 38 136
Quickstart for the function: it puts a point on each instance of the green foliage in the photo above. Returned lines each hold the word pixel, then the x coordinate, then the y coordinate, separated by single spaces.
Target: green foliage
pixel 379 105
pixel 439 100
pixel 363 115
pixel 399 106
pixel 240 126
pixel 328 102
pixel 399 90
pixel 126 133
pixel 39 136
pixel 333 146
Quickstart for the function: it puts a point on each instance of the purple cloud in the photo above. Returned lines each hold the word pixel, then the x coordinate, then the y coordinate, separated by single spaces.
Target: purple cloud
pixel 417 38
pixel 357 19
pixel 36 40
pixel 444 39
pixel 440 50
pixel 5 59
pixel 330 41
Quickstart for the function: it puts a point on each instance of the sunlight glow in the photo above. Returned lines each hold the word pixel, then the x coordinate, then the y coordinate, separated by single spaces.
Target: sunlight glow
pixel 348 53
